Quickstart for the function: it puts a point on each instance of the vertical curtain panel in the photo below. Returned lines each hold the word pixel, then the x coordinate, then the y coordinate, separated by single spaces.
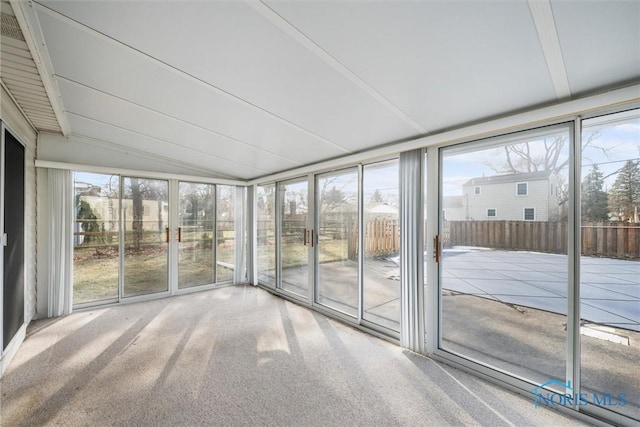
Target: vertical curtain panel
pixel 60 242
pixel 411 250
pixel 240 272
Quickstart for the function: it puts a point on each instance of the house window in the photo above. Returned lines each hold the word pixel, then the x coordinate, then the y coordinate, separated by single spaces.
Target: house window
pixel 492 213
pixel 476 190
pixel 529 214
pixel 522 189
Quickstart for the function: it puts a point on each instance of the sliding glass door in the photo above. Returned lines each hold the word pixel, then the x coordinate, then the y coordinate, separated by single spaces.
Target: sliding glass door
pixel 145 220
pixel 540 268
pixel 96 238
pixel 381 261
pixel 335 237
pixel 336 240
pixel 504 266
pixel 225 233
pixel 295 236
pixel 136 236
pixel 196 233
pixel 266 233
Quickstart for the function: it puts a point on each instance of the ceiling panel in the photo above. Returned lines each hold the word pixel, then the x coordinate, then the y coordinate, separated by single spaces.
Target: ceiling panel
pixel 600 42
pixel 233 47
pixel 444 63
pixel 120 138
pixel 84 102
pixel 109 67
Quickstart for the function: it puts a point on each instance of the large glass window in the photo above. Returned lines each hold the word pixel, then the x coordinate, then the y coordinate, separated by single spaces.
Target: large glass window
pixel 145 221
pixel 225 233
pixel 381 270
pixel 610 262
pixel 196 220
pixel 295 236
pixel 108 207
pixel 337 240
pixel 96 237
pixel 266 233
pixel 504 280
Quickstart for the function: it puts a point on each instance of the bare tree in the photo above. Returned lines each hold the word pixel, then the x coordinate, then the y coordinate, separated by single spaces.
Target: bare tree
pixel 523 158
pixel 529 156
pixel 549 154
pixel 139 190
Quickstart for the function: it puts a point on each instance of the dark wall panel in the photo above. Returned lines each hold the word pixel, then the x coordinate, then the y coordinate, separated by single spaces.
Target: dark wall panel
pixel 13 281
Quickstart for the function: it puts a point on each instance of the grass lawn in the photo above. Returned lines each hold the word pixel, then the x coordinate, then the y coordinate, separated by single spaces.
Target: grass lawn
pixel 96 272
pixel 95 268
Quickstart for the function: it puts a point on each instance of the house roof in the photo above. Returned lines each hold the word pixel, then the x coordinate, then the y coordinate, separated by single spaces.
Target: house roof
pixel 383 209
pixel 514 177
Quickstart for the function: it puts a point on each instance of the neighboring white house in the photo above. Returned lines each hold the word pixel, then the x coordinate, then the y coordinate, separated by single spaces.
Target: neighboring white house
pixel 532 196
pixel 453 208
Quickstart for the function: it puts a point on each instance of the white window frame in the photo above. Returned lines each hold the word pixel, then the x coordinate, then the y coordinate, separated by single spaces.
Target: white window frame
pixel 524 214
pixel 476 190
pixel 526 193
pixel 495 213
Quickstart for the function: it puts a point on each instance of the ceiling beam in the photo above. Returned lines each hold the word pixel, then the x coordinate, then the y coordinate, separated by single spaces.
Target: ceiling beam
pixel 179 121
pixel 548 36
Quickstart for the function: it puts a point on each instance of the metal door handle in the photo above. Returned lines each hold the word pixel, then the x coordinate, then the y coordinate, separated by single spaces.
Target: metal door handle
pixel 168 233
pixel 179 234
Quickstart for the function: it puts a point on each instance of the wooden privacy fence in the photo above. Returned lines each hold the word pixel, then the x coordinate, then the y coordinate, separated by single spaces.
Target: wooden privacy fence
pixel 611 239
pixel 381 238
pixel 604 239
pixel 382 235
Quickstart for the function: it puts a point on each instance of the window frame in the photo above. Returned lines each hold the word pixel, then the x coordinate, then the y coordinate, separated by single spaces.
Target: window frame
pixel 524 214
pixel 526 189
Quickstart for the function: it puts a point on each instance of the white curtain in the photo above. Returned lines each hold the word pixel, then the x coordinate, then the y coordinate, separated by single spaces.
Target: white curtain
pixel 60 239
pixel 249 232
pixel 411 250
pixel 240 203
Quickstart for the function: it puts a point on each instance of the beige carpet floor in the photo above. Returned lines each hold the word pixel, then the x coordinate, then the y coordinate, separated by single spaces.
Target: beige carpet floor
pixel 238 356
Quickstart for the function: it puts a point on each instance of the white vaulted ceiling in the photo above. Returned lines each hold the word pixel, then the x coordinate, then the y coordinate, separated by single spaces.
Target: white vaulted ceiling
pixel 245 89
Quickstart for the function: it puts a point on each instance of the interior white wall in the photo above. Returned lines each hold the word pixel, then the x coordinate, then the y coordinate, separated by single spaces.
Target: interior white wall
pixel 16 122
